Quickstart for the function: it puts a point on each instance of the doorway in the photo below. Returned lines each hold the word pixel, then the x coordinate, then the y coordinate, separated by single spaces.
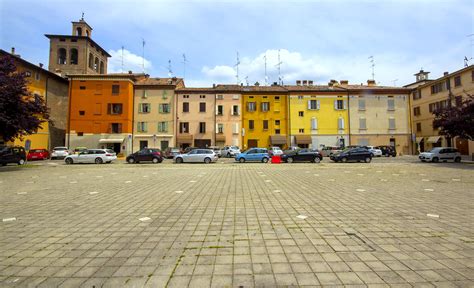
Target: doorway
pixel 164 144
pixel 143 144
pixel 462 145
pixel 252 143
pixel 202 143
pixel 392 142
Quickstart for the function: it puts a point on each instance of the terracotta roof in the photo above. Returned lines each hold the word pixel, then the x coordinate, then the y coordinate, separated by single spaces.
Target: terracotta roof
pixel 195 89
pixel 50 36
pixel 264 89
pixel 318 88
pixel 159 81
pixel 445 76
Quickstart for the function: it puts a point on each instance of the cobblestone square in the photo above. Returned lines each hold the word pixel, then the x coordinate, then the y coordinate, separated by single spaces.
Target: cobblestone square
pixel 393 222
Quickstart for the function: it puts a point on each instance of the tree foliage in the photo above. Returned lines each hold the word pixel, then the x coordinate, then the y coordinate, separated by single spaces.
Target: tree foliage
pixel 21 113
pixel 457 121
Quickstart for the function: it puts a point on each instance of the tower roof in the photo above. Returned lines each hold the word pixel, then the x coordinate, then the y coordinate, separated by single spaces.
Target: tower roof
pixel 53 36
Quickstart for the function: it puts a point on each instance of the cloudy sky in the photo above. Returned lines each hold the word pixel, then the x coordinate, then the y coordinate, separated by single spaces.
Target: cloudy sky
pixel 317 40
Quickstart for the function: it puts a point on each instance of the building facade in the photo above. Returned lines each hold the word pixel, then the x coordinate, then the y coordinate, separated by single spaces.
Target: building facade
pixel 155 112
pixel 264 117
pixel 429 96
pixel 228 115
pixel 101 111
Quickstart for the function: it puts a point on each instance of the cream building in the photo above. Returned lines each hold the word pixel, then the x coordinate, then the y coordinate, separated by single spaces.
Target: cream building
pixel 228 115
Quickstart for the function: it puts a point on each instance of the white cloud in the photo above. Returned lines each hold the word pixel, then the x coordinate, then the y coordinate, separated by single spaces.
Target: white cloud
pixel 131 62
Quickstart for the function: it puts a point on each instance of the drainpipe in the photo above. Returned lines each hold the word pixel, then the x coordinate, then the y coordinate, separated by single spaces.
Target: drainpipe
pixel 348 118
pixel 46 100
pixel 69 114
pixel 133 118
pixel 450 100
pixel 215 118
pixel 288 111
pixel 410 124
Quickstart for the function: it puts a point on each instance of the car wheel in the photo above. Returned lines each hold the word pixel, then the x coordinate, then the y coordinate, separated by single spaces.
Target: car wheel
pixel 155 160
pixel 98 160
pixel 131 160
pixel 69 161
pixel 264 160
pixel 316 160
pixel 457 159
pixel 179 160
pixel 242 160
pixel 207 160
pixel 289 160
pixel 344 159
pixel 21 162
pixel 435 159
pixel 367 159
pixel 371 154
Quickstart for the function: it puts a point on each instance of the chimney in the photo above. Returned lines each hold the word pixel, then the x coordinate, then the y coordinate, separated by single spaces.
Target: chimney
pixel 213 85
pixel 275 84
pixel 257 84
pixel 344 82
pixel 445 73
pixel 130 72
pixel 41 65
pixel 13 51
pixel 310 82
pixel 305 82
pixel 370 82
pixel 298 82
pixel 330 84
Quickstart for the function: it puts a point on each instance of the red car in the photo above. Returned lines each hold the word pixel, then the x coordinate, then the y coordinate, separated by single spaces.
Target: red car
pixel 38 154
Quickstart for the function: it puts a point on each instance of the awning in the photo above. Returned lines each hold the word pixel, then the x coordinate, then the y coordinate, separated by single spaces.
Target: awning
pixel 278 139
pixel 220 137
pixel 303 139
pixel 185 138
pixel 419 139
pixel 111 140
pixel 433 139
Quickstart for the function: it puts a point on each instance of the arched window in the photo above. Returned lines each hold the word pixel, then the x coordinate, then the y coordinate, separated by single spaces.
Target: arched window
pixel 87 33
pixel 91 61
pixel 74 57
pixel 62 56
pixel 96 64
pixel 79 31
pixel 101 67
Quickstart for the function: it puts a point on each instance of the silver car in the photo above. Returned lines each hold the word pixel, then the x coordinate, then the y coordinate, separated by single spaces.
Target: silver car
pixel 230 151
pixel 441 154
pixel 198 156
pixel 97 156
pixel 59 152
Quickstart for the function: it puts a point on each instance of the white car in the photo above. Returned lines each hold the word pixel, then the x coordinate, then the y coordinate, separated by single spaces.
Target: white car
pixel 375 151
pixel 59 152
pixel 275 151
pixel 97 156
pixel 230 151
pixel 441 154
pixel 198 156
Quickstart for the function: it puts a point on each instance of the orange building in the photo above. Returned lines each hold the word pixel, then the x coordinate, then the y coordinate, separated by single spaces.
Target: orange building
pixel 101 111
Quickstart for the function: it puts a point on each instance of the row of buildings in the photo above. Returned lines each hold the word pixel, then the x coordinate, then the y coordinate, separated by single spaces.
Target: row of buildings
pixel 128 111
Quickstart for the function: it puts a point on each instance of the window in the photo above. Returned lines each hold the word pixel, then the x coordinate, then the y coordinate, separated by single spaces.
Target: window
pixel 235 128
pixel 220 110
pixel 114 108
pixel 80 134
pixel 115 89
pixel 251 125
pixel 340 104
pixel 184 127
pixel 314 124
pixel 301 130
pixel 62 40
pixel 162 126
pixel 220 128
pixel 251 106
pixel 37 76
pixel 277 98
pixel 62 56
pixel 202 107
pixel 185 107
pixel 164 95
pixel 202 127
pixel 116 128
pixel 313 104
pixel 141 126
pixel 96 64
pixel 144 108
pixel 82 113
pixel 202 96
pixel 235 97
pixel 438 87
pixel 301 113
pixel 220 97
pixel 82 87
pixel 74 56
pixel 457 81
pixel 28 73
pixel 185 96
pixel 340 123
pixel 277 131
pixel 390 103
pixel 265 106
pixel 418 127
pixel 362 123
pixel 91 61
pixel 277 122
pixel 101 70
pixel 79 31
pixel 416 111
pixel 300 97
pixel 458 100
pixel 361 104
pixel 391 123
pixel 265 124
pixel 164 108
pixel 433 107
pixel 235 110
pixel 416 94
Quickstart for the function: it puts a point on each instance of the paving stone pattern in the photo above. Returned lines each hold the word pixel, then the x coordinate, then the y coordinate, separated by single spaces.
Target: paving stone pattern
pixel 237 225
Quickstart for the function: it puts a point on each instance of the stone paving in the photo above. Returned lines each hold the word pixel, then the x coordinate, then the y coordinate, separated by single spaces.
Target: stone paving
pixel 390 223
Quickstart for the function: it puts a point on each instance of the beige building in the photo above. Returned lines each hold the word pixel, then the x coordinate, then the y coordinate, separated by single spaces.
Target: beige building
pixel 154 112
pixel 430 95
pixel 228 115
pixel 196 117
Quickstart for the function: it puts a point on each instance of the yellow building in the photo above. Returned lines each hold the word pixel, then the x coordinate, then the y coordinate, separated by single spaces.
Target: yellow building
pixel 264 117
pixel 318 115
pixel 54 89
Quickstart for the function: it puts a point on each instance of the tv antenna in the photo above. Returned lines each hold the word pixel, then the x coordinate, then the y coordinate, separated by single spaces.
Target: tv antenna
pixel 266 77
pixel 247 80
pixel 280 79
pixel 143 55
pixel 372 64
pixel 471 44
pixel 184 65
pixel 237 68
pixel 122 58
pixel 170 72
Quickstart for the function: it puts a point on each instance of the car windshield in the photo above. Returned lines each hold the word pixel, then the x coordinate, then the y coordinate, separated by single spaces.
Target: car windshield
pixel 434 150
pixel 234 147
pixel 37 150
pixel 60 149
pixel 110 151
pixel 174 150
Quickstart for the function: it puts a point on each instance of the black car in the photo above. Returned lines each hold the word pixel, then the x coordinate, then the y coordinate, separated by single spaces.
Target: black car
pixel 12 154
pixel 388 151
pixel 144 155
pixel 301 155
pixel 354 154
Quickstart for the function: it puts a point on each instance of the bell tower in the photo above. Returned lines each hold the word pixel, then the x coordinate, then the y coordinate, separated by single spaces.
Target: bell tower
pixel 81 28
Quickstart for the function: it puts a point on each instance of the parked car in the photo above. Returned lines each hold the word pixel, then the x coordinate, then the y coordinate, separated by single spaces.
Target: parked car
pixel 12 154
pixel 216 150
pixel 197 155
pixel 441 154
pixel 253 154
pixel 170 152
pixel 59 152
pixel 230 151
pixel 144 155
pixel 388 151
pixel 353 154
pixel 302 155
pixel 97 156
pixel 376 152
pixel 38 154
pixel 275 151
pixel 187 149
pixel 329 150
pixel 78 150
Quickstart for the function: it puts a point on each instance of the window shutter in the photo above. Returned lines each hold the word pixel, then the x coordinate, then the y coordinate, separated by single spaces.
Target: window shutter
pixel 166 127
pixel 314 124
pixel 335 104
pixel 217 110
pixel 318 104
pixel 341 123
pixel 217 127
pixel 345 104
pixel 238 110
pixel 109 108
pixel 309 104
pixel 120 127
pixel 145 126
pixel 140 107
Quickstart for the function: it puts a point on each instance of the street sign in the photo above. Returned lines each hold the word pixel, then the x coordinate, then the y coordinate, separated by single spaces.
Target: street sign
pixel 27 145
